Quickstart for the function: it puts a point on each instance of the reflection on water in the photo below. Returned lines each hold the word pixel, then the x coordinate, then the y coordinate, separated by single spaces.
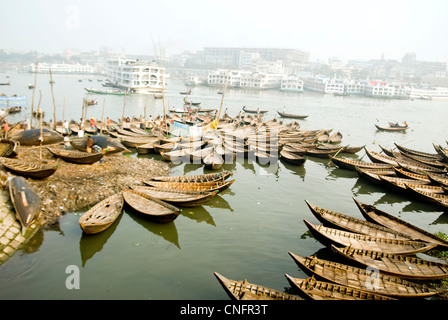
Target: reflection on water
pixel 167 231
pixel 90 244
pixel 199 214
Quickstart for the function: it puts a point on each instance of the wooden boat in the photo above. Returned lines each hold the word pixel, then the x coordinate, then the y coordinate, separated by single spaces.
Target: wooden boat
pixel 418 153
pixel 439 198
pixel 352 164
pixel 8 148
pixel 291 116
pixel 243 290
pixel 336 220
pixel 382 172
pixel 213 161
pixel 29 169
pixel 160 146
pixel 372 214
pixel 400 172
pixel 208 177
pixel 422 160
pixel 311 288
pixel 292 158
pixel 175 156
pixel 319 153
pixel 328 236
pixel 25 200
pixel 441 151
pixel 73 126
pixel 145 148
pixel 152 208
pixel 31 137
pixel 76 156
pixel 192 186
pixel 102 215
pixel 361 279
pixel 383 128
pixel 266 157
pixel 380 158
pixel 419 168
pixel 197 156
pixel 441 180
pixel 178 197
pixel 134 141
pixel 407 267
pixel 294 149
pixel 335 137
pixel 254 111
pixel 399 184
pixel 109 145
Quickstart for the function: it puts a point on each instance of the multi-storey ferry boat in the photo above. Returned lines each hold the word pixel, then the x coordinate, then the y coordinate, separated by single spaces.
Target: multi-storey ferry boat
pixel 292 83
pixel 135 75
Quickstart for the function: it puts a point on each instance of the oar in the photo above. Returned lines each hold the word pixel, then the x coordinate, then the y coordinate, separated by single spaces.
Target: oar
pixel 342 148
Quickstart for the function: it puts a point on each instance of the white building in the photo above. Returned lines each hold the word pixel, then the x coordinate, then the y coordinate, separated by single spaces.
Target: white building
pixel 244 79
pixel 135 75
pixel 60 68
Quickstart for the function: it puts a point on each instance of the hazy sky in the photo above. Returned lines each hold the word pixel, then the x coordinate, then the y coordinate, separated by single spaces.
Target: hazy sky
pixel 346 29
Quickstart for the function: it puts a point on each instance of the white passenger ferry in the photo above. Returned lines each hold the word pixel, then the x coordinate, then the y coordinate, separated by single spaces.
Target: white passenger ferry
pixel 135 75
pixel 292 83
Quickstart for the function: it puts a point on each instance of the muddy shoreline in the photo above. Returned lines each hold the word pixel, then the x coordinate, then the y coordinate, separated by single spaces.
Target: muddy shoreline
pixel 77 187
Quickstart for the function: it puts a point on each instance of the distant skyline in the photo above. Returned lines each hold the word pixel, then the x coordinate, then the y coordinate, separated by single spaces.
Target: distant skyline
pixel 346 29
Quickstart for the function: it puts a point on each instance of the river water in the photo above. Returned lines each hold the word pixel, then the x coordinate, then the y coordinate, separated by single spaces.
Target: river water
pixel 243 233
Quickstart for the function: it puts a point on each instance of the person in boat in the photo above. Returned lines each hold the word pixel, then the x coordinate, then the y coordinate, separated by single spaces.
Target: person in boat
pixel 89 144
pixel 92 122
pixel 66 131
pixel 108 121
pixel 284 110
pixel 67 143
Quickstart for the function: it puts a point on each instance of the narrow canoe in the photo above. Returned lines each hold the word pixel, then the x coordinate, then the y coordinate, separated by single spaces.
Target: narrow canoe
pixel 152 208
pixel 418 153
pixel 76 156
pixel 292 158
pixel 178 197
pixel 34 170
pixel 439 198
pixel 362 278
pixel 208 177
pixel 8 148
pixel 192 186
pixel 400 172
pixel 329 236
pixel 336 220
pixel 25 200
pixel 352 164
pixel 291 116
pixel 102 215
pixel 253 111
pixel 319 153
pixel 31 137
pixel 243 290
pixel 407 267
pixel 419 168
pixel 399 129
pixel 436 179
pixel 371 213
pixel 213 161
pixel 380 158
pixel 311 288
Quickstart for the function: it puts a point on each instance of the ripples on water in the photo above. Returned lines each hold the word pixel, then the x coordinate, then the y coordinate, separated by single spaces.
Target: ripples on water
pixel 246 231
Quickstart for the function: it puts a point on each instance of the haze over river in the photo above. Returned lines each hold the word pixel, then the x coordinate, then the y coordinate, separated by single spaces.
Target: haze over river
pixel 246 231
